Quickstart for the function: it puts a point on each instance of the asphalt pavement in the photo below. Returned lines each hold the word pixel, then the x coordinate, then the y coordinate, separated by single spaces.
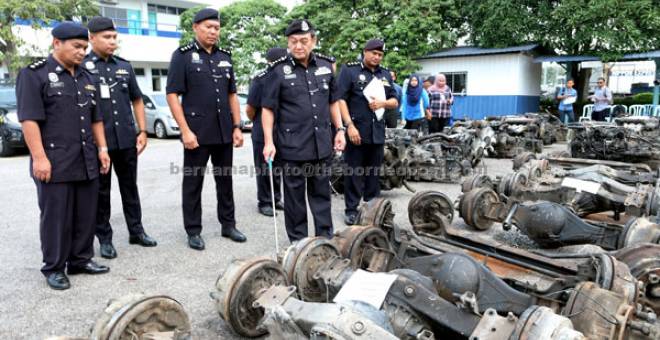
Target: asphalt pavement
pixel 31 310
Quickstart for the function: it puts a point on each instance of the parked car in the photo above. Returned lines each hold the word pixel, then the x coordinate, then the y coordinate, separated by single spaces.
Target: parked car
pixel 159 118
pixel 11 133
pixel 246 123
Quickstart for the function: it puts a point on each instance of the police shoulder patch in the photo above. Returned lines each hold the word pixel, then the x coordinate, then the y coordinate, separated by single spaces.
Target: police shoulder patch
pixel 225 51
pixel 328 58
pixel 37 64
pixel 186 48
pixel 354 63
pixel 261 73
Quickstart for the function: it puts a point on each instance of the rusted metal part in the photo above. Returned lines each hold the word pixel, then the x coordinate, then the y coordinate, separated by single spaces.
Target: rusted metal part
pixel 367 247
pixel 143 317
pixel 239 286
pixel 517 134
pixel 644 263
pixel 603 314
pixel 430 211
pixel 541 323
pixel 302 260
pixel 481 207
pixel 376 213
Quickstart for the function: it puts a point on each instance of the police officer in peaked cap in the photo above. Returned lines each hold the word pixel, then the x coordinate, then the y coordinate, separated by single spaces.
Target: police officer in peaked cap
pixel 118 91
pixel 366 128
pixel 209 119
pixel 298 108
pixel 62 124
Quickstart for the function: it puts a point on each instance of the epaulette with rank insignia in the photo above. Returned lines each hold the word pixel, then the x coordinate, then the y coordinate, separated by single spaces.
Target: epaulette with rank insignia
pixel 186 48
pixel 328 58
pixel 227 52
pixel 277 61
pixel 354 63
pixel 37 64
pixel 262 73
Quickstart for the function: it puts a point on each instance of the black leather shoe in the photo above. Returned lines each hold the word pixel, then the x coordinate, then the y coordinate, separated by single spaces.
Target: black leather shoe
pixel 196 242
pixel 90 267
pixel 266 210
pixel 234 235
pixel 58 281
pixel 108 251
pixel 279 206
pixel 143 240
pixel 350 218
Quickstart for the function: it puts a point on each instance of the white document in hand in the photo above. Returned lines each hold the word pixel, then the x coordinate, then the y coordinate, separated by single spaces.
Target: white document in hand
pixel 376 90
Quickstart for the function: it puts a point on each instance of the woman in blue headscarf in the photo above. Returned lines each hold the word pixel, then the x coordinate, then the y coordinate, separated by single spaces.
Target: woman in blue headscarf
pixel 414 104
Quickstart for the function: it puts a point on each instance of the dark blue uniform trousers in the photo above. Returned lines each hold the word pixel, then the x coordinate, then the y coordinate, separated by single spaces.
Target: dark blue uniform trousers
pixel 68 212
pixel 362 179
pixel 194 167
pixel 264 197
pixel 312 177
pixel 125 165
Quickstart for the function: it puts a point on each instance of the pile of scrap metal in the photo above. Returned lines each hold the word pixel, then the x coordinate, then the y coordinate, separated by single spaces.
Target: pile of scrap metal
pixel 552 130
pixel 586 187
pixel 436 280
pixel 409 156
pixel 516 134
pixel 629 139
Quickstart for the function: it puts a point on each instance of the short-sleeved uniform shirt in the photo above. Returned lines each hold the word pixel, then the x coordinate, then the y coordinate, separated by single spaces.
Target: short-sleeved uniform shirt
pixel 254 99
pixel 204 81
pixel 64 106
pixel 353 78
pixel 121 88
pixel 301 99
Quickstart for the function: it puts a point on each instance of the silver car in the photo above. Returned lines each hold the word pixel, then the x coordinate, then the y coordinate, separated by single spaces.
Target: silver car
pixel 159 118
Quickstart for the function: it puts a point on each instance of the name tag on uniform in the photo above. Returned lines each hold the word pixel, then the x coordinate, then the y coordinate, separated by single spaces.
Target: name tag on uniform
pixel 105 91
pixel 290 76
pixel 322 70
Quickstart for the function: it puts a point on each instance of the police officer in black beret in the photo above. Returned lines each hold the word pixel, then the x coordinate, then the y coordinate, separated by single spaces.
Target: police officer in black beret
pixel 118 90
pixel 366 131
pixel 63 128
pixel 300 100
pixel 253 110
pixel 209 118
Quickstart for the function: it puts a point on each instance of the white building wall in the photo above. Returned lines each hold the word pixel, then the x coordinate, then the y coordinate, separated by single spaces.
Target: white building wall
pixel 505 74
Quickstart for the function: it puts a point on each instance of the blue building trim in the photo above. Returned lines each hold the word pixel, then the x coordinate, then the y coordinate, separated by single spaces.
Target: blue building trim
pixel 124 30
pixel 479 107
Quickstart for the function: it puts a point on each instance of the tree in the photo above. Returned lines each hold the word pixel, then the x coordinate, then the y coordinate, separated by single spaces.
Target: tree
pixel 247 29
pixel 410 28
pixel 40 13
pixel 603 28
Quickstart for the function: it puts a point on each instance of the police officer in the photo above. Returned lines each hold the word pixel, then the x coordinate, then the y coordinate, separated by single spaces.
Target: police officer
pixel 118 89
pixel 209 119
pixel 57 107
pixel 300 89
pixel 253 110
pixel 366 132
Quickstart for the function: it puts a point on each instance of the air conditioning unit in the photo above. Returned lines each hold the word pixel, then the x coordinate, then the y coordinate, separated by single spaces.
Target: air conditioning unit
pixel 110 2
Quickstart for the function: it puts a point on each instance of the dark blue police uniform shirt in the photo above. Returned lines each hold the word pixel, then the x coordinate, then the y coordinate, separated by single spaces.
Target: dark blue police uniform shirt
pixel 254 99
pixel 353 78
pixel 64 106
pixel 204 81
pixel 301 99
pixel 118 75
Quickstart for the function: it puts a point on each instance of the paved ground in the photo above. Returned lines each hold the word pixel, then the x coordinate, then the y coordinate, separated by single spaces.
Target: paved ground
pixel 30 310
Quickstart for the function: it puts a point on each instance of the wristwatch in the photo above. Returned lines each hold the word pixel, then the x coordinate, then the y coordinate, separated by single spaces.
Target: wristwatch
pixel 141 132
pixel 341 128
pixel 103 149
pixel 236 126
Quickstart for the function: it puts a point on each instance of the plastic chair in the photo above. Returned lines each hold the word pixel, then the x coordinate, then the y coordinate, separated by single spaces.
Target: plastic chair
pixel 649 109
pixel 656 111
pixel 586 112
pixel 637 110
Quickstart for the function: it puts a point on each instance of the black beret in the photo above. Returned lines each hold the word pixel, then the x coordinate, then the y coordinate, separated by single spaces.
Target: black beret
pixel 374 45
pixel 206 14
pixel 298 26
pixel 275 53
pixel 70 30
pixel 100 24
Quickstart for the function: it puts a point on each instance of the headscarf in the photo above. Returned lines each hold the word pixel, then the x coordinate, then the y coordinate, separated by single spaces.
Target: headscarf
pixel 414 93
pixel 436 85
